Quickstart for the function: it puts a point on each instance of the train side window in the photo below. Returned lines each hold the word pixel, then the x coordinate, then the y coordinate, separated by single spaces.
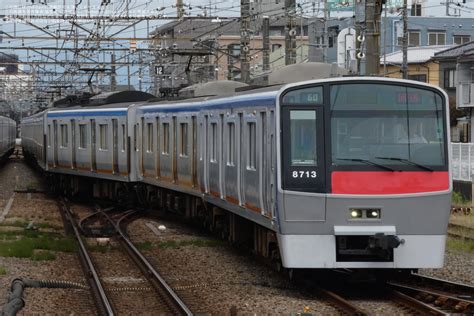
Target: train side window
pixel 103 136
pixel 231 144
pixel 124 137
pixel 184 139
pixel 82 136
pixel 214 142
pixel 252 146
pixel 150 137
pixel 64 135
pixel 166 138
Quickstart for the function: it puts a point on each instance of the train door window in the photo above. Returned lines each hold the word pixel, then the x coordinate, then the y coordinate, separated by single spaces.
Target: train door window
pixel 303 143
pixel 213 142
pixel 49 135
pixel 166 138
pixel 184 139
pixel 103 136
pixel 124 137
pixel 150 138
pixel 231 144
pixel 82 136
pixel 135 131
pixel 64 138
pixel 252 146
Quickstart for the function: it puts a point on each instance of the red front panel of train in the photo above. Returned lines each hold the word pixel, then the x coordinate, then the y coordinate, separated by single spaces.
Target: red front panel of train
pixel 373 182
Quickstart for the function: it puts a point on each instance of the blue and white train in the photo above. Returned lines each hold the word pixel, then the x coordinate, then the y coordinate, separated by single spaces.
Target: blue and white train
pixel 336 173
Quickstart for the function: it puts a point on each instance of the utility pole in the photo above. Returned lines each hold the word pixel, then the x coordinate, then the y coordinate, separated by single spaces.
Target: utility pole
pixel 405 41
pixel 245 41
pixel 360 38
pixel 266 43
pixel 326 33
pixel 290 32
pixel 113 78
pixel 372 37
pixel 179 9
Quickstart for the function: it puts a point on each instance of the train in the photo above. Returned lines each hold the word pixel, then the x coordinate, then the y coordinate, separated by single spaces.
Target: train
pixel 7 137
pixel 344 172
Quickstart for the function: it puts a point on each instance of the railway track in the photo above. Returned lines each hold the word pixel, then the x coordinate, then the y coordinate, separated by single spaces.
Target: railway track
pixel 169 302
pixel 460 232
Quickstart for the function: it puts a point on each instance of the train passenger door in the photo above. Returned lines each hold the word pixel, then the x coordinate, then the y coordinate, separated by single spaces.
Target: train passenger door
pixel 231 163
pixel 203 161
pixel 73 144
pixel 252 184
pixel 93 146
pixel 115 168
pixel 194 151
pixel 55 140
pixel 175 151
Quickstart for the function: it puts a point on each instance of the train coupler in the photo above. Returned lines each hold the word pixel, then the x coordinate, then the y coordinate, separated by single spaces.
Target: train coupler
pixel 384 242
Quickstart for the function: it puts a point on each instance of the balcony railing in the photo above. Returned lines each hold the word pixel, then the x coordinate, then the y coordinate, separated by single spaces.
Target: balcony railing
pixel 463 161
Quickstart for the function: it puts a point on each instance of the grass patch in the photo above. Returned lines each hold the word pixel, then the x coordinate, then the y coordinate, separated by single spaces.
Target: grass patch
pixel 25 245
pixel 43 256
pixel 3 271
pixel 147 245
pixel 460 245
pixel 24 224
pixel 459 200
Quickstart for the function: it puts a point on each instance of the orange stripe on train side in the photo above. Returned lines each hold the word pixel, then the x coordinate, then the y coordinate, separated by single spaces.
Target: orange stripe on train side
pixel 232 200
pixel 253 208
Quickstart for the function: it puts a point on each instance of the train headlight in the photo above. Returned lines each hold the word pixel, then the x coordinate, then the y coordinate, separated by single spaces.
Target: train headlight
pixel 356 213
pixel 373 213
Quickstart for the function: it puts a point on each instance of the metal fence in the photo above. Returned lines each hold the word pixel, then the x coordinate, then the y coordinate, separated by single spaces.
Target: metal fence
pixel 463 161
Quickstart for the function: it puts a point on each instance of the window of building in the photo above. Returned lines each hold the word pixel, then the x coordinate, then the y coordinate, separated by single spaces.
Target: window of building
pixel 416 9
pixel 213 142
pixel 276 47
pixel 103 136
pixel 184 139
pixel 82 136
pixel 64 138
pixel 234 53
pixel 461 39
pixel 421 78
pixel 149 147
pixel 166 138
pixel 231 144
pixel 413 38
pixel 449 78
pixel 436 38
pixel 252 146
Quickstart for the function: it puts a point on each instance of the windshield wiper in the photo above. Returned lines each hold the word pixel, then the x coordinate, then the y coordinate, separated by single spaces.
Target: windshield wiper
pixel 368 162
pixel 409 162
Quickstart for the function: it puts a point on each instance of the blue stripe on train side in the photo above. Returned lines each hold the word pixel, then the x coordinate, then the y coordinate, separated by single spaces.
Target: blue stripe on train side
pixel 88 113
pixel 210 105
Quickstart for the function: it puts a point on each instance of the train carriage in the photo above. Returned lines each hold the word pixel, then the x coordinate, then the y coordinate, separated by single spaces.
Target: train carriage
pixel 334 173
pixel 7 136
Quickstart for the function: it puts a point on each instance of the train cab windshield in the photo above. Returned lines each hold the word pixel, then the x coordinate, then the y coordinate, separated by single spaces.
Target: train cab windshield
pixel 387 125
pixel 360 126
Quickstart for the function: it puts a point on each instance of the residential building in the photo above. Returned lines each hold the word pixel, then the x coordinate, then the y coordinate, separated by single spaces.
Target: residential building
pixel 421 67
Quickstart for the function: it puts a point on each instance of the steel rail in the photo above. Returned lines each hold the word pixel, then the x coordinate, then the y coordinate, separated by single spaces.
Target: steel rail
pixel 444 284
pixel 441 300
pixel 100 297
pixel 414 304
pixel 341 303
pixel 169 296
